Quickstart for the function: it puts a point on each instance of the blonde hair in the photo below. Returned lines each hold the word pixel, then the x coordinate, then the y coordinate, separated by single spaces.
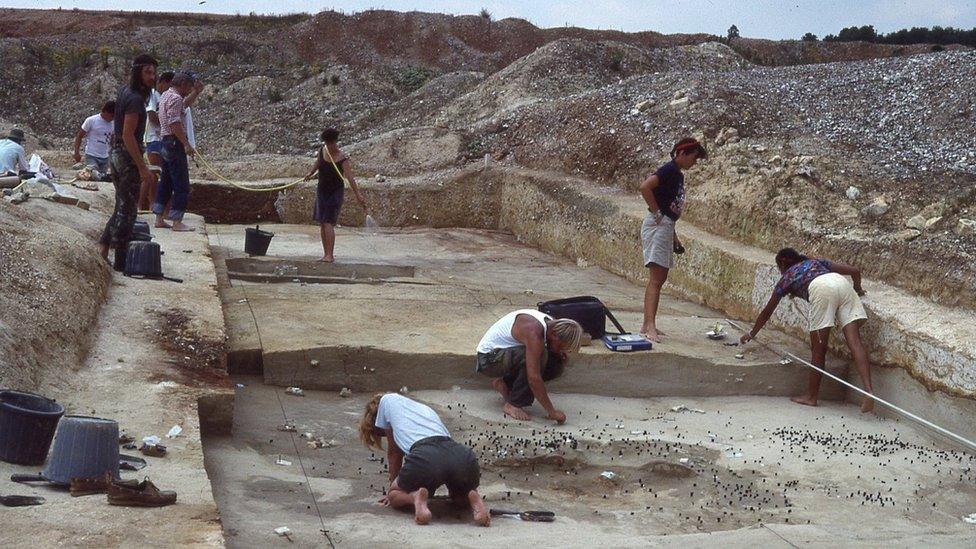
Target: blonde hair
pixel 367 425
pixel 568 331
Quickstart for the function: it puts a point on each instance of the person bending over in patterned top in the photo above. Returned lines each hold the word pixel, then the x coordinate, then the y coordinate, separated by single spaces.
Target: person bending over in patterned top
pixel 833 302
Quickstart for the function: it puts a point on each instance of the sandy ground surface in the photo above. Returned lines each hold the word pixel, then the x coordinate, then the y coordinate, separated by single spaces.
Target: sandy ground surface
pixel 371 331
pixel 151 358
pixel 740 471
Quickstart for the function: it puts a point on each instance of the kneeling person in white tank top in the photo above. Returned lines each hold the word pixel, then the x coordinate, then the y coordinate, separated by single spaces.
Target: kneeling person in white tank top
pixel 521 352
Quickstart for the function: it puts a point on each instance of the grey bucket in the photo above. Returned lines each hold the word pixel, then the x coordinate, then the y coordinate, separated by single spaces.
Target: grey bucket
pixel 83 447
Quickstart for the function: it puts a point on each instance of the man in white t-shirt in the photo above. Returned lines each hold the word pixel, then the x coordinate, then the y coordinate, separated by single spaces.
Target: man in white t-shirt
pixel 422 457
pixel 98 130
pixel 522 351
pixel 13 158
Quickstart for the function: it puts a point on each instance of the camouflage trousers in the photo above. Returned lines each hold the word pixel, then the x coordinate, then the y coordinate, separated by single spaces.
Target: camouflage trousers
pixel 125 177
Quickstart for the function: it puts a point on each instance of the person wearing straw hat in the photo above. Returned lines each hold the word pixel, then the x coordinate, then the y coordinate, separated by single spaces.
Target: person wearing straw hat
pixel 334 170
pixel 13 158
pixel 834 301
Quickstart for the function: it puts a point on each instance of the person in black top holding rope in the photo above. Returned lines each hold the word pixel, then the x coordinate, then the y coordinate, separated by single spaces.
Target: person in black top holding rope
pixel 334 169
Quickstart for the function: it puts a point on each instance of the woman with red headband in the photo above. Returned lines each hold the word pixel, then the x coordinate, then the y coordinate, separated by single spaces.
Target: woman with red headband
pixel 664 192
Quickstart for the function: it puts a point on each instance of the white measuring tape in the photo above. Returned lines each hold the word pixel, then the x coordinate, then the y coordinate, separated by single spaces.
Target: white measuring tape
pixel 958 438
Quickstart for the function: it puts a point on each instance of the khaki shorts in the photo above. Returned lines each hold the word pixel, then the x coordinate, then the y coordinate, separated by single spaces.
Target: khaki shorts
pixel 832 298
pixel 658 241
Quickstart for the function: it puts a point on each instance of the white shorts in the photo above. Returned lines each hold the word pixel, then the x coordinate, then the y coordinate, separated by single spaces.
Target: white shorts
pixel 658 241
pixel 832 298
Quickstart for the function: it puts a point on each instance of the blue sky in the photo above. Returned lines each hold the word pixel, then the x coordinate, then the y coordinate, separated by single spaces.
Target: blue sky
pixel 755 18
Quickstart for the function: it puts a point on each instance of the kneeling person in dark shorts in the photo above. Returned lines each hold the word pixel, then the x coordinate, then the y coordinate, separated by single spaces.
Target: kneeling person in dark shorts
pixel 431 459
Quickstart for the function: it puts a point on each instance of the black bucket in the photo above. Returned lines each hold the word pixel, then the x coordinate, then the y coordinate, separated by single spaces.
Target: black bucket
pixel 27 425
pixel 256 241
pixel 141 232
pixel 143 259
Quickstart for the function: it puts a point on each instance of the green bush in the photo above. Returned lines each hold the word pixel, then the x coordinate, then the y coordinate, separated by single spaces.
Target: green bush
pixel 413 77
pixel 616 63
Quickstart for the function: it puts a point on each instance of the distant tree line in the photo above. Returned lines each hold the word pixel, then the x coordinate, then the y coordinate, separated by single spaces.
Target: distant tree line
pixel 914 35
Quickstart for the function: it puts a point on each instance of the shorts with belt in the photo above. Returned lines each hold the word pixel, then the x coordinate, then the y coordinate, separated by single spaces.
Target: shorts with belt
pixel 833 302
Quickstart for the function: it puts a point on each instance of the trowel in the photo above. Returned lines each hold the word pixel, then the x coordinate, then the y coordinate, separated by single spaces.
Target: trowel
pixel 528 516
pixel 20 501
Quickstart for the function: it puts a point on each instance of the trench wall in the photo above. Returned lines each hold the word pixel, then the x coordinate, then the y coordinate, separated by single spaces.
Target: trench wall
pixel 571 218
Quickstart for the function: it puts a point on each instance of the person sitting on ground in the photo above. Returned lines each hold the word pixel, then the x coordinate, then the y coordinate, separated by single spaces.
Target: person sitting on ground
pixel 334 169
pixel 521 352
pixel 129 169
pixel 832 301
pixel 175 181
pixel 664 193
pixel 154 141
pixel 98 129
pixel 421 456
pixel 13 158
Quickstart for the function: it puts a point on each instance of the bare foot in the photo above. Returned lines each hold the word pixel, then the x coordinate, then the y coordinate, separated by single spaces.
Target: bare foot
pixel 421 513
pixel 179 227
pixel 660 333
pixel 481 515
pixel 515 412
pixel 500 386
pixel 327 259
pixel 162 225
pixel 804 400
pixel 654 336
pixel 867 405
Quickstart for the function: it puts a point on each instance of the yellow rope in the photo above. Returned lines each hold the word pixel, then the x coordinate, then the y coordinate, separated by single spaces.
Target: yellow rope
pixel 214 172
pixel 335 166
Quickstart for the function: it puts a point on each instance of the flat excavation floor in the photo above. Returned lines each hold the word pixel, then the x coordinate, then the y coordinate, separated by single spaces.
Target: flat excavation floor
pixel 621 472
pixel 408 307
pixel 688 444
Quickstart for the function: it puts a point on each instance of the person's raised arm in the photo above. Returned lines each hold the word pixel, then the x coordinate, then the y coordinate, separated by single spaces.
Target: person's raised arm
pixel 194 93
pixel 763 318
pixel 394 456
pixel 529 332
pixel 647 191
pixel 78 137
pixel 129 125
pixel 348 174
pixel 853 272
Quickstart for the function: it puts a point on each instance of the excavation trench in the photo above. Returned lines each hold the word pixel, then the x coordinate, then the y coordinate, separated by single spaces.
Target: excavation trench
pixel 685 433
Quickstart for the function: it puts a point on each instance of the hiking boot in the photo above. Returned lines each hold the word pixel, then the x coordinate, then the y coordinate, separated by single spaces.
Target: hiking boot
pixel 82 486
pixel 153 450
pixel 142 494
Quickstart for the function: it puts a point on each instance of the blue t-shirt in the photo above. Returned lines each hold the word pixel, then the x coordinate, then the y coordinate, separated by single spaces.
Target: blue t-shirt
pixel 670 191
pixel 796 280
